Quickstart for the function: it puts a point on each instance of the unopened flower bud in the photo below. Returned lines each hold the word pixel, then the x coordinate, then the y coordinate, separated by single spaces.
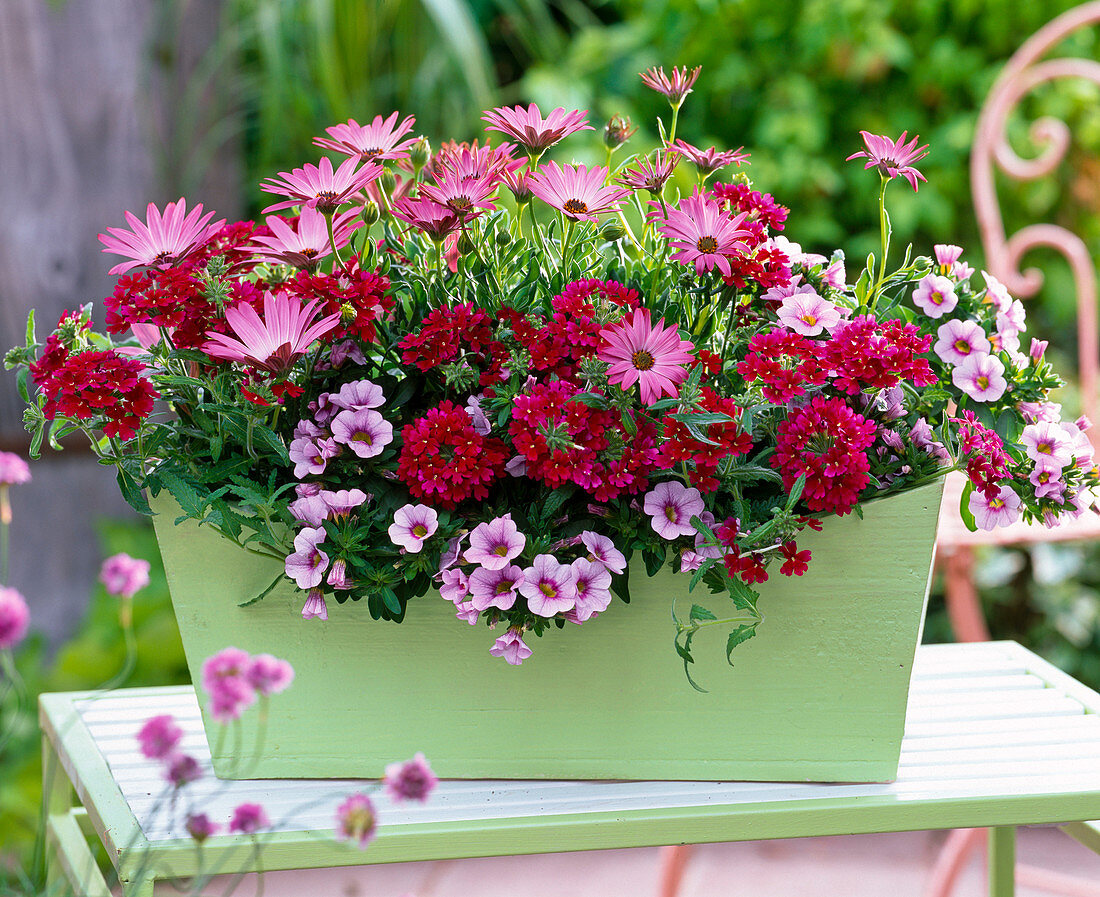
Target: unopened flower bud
pixel 503 238
pixel 617 132
pixel 612 231
pixel 420 152
pixel 388 180
pixel 465 244
pixel 371 212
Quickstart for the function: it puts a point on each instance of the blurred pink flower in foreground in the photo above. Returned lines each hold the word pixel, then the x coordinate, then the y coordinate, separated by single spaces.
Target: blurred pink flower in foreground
pixel 13 470
pixel 15 617
pixel 249 819
pixel 356 820
pixel 411 780
pixel 123 575
pixel 159 737
pixel 161 240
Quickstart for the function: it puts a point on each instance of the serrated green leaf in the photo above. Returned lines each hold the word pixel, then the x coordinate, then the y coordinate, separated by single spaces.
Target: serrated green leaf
pixel 741 634
pixel 698 612
pixel 131 491
pixel 264 593
pixel 186 495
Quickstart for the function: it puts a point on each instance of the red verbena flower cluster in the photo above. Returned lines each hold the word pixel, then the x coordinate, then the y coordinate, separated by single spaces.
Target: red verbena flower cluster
pixel 443 333
pixel 786 362
pixel 727 440
pixel 865 352
pixel 357 294
pixel 987 464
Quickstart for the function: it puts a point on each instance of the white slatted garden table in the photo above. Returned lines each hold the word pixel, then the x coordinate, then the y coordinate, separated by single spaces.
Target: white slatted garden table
pixel 996 737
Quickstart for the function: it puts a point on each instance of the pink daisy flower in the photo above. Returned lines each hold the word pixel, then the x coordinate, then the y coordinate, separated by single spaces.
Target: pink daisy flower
pixel 159 736
pixel 161 240
pixel 958 340
pixel 807 313
pixel 379 140
pixel 935 295
pixel 671 505
pixel 304 245
pixel 318 186
pixel 464 195
pixel 412 524
pixel 892 158
pixel 356 820
pixel 124 576
pixel 981 376
pixel 602 549
pixel 1001 510
pixel 365 432
pixel 530 130
pixel 650 176
pixel 495 588
pixel 710 160
pixel 549 587
pixel 576 191
pixel 437 221
pixel 249 819
pixel 307 564
pixel 652 355
pixel 593 584
pixel 675 87
pixel 315 606
pixel 268 674
pixel 411 780
pixel 703 234
pixel 511 647
pixel 275 341
pixel 495 544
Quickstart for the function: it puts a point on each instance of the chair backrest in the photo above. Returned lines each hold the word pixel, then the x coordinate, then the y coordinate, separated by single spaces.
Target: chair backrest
pixel 1023 72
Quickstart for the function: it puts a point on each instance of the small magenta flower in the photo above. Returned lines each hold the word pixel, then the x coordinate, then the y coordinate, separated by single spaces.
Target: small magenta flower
pixel 602 549
pixel 307 565
pixel 651 355
pixel 15 618
pixel 249 819
pixel 1012 320
pixel 709 160
pixel 1048 443
pixel 437 221
pixel 200 827
pixel 511 647
pixel 958 340
pixel 495 588
pixel 530 130
pixel 356 820
pixel 456 585
pixel 13 470
pixel 411 780
pixel 318 186
pixel 495 544
pixel 379 140
pixel 412 524
pixel 671 505
pixel 315 606
pixel 182 769
pixel 365 432
pixel 124 576
pixel 1001 510
pixel 548 586
pixel 593 584
pixel 892 158
pixel 935 295
pixel 807 313
pixel 703 234
pixel 159 737
pixel 224 676
pixel 675 87
pixel 578 192
pixel 981 377
pixel 650 176
pixel 161 240
pixel 268 675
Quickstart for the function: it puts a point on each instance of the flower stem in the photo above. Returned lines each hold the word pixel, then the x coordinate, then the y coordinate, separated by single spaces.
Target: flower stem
pixel 884 228
pixel 332 240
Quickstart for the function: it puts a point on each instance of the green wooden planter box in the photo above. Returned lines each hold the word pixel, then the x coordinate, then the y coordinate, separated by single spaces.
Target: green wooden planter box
pixel 818 695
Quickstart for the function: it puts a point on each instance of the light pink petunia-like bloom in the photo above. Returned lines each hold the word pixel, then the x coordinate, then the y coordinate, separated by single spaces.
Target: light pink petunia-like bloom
pixel 309 456
pixel 224 678
pixel 319 187
pixel 549 587
pixel 437 221
pixel 411 780
pixel 1047 442
pixel 307 565
pixel 338 575
pixel 981 376
pixel 958 340
pixel 530 130
pixel 268 674
pixel 675 87
pixel 304 245
pixel 671 505
pixel 159 736
pixel 467 613
pixel 946 256
pixel 13 470
pixel 1038 349
pixel 249 819
pixel 495 543
pixel 1012 320
pixel 593 584
pixel 576 191
pixel 807 313
pixel 935 295
pixel 124 576
pixel 1001 510
pixel 343 501
pixel 161 240
pixel 1047 480
pixel 653 355
pixel 275 341
pixel 356 820
pixel 602 549
pixel 379 140
pixel 892 158
pixel 365 432
pixel 412 524
pixel 455 586
pixel 511 647
pixel 315 606
pixel 495 588
pixel 996 293
pixel 703 234
pixel 707 161
pixel 357 395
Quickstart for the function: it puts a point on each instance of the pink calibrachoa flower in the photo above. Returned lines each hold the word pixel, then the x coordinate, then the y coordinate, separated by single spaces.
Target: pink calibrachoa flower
pixel 159 736
pixel 437 221
pixel 578 192
pixel 411 780
pixel 892 158
pixel 224 676
pixel 249 819
pixel 268 674
pixel 338 575
pixel 1038 349
pixel 318 186
pixel 602 549
pixel 124 576
pixel 593 584
pixel 307 564
pixel 946 256
pixel 412 524
pixel 958 340
pixel 675 87
pixel 1047 480
pixel 467 613
pixel 707 161
pixel 703 234
pixel 356 820
pixel 357 395
pixel 653 355
pixel 182 769
pixel 274 342
pixel 306 244
pixel 161 240
pixel 342 502
pixel 996 293
pixel 379 140
pixel 671 505
pixel 1048 443
pixel 495 588
pixel 315 606
pixel 311 456
pixel 530 130
pixel 365 432
pixel 511 647
pixel 455 585
pixel 935 295
pixel 13 470
pixel 1001 510
pixel 549 587
pixel 807 313
pixel 200 827
pixel 15 618
pixel 495 544
pixel 981 376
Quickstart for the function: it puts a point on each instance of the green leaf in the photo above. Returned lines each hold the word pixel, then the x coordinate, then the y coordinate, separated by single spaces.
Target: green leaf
pixel 741 634
pixel 184 492
pixel 131 491
pixel 964 508
pixel 391 600
pixel 32 338
pixel 698 612
pixel 796 492
pixel 264 593
pixel 654 560
pixel 742 595
pixel 21 385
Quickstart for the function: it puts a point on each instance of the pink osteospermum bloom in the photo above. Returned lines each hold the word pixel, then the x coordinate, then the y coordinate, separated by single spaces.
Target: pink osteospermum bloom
pixel 315 606
pixel 412 525
pixel 981 376
pixel 495 588
pixel 958 340
pixel 548 586
pixel 159 737
pixel 675 87
pixel 808 314
pixel 123 576
pixel 650 176
pixel 307 564
pixel 671 505
pixel 703 234
pixel 576 191
pixel 379 140
pixel 356 820
pixel 602 549
pixel 411 780
pixel 1001 510
pixel 248 819
pixel 275 341
pixel 319 187
pixel 892 158
pixel 306 243
pixel 365 432
pixel 1047 442
pixel 13 470
pixel 268 674
pixel 530 130
pixel 593 584
pixel 495 543
pixel 511 647
pixel 15 618
pixel 935 295
pixel 435 220
pixel 707 161
pixel 161 240
pixel 653 355
pixel 466 196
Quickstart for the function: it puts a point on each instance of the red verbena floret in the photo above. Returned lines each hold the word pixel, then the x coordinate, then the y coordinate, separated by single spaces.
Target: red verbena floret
pixel 866 353
pixel 987 464
pixel 726 440
pixel 358 295
pixel 761 207
pixel 786 363
pixel 443 333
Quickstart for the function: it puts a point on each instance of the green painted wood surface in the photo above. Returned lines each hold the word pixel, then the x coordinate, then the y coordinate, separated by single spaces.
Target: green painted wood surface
pixel 819 695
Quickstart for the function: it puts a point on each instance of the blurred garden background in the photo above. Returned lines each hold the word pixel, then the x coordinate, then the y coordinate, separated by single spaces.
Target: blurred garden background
pixel 110 104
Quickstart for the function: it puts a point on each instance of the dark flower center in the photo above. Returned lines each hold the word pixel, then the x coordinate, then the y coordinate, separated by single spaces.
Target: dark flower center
pixel 642 360
pixel 368 154
pixel 707 245
pixel 326 201
pixel 575 207
pixel 461 203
